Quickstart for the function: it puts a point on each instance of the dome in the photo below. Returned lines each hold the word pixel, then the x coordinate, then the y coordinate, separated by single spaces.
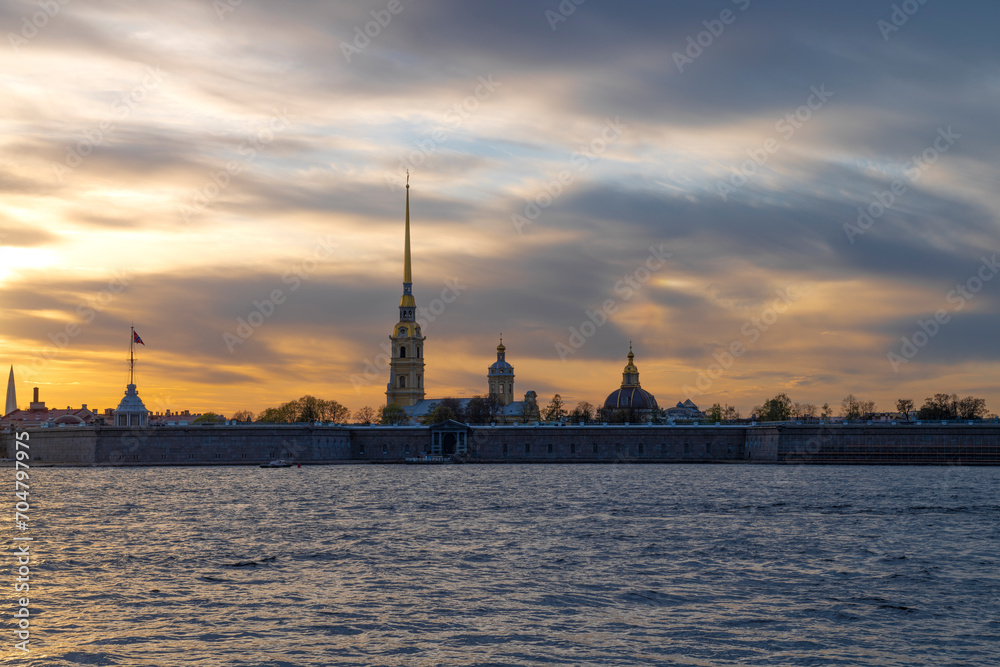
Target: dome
pixel 500 366
pixel 630 396
pixel 635 398
pixel 67 419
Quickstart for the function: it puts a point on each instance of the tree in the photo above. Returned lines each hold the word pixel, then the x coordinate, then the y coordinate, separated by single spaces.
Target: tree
pixel 309 408
pixel 334 411
pixel 365 415
pixel 243 416
pixel 777 409
pixel 393 414
pixel 477 411
pixel 941 406
pixel 730 413
pixel 555 411
pixel 583 412
pixel 849 407
pixel 714 413
pixel 971 407
pixel 206 418
pixel 442 413
pixel 455 405
pixel 905 406
pixel 854 408
pixel 826 411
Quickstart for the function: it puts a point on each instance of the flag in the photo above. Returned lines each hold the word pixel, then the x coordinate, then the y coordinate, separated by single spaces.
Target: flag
pixel 136 339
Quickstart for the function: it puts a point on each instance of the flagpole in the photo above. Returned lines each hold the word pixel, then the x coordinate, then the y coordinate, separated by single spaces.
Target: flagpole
pixel 131 357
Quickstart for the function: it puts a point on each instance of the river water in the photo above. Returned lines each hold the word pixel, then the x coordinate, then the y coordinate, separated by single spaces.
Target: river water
pixel 511 565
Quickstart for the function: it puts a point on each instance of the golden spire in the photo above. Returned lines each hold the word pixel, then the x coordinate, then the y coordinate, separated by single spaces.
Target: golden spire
pixel 500 347
pixel 406 254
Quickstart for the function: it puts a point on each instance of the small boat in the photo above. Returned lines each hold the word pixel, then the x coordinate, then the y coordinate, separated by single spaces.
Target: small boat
pixel 277 463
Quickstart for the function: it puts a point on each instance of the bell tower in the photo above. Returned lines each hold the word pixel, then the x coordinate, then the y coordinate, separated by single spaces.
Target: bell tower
pixel 406 369
pixel 500 377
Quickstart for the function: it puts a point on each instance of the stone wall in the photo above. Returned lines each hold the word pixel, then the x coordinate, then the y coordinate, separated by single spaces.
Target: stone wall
pixel 563 443
pixel 927 443
pixel 242 444
pixel 69 444
pixel 255 444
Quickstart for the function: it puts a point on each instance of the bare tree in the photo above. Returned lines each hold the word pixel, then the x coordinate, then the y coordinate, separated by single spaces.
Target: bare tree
pixel 365 415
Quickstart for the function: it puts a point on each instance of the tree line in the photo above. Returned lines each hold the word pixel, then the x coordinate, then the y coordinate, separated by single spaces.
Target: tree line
pixel 488 409
pixel 939 406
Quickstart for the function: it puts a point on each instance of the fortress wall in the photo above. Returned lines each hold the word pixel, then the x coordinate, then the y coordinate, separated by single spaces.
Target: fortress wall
pixel 243 444
pixel 977 444
pixel 70 444
pixel 927 443
pixel 562 443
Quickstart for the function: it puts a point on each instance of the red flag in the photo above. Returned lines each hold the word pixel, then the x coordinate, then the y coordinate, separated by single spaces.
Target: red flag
pixel 135 338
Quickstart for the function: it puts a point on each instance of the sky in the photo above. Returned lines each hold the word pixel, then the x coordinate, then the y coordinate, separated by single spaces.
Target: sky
pixel 762 197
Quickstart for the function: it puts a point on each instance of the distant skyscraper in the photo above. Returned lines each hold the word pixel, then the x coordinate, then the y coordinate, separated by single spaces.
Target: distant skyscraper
pixel 11 394
pixel 406 370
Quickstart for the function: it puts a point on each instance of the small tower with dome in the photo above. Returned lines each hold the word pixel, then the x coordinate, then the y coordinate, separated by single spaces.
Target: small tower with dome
pixel 501 377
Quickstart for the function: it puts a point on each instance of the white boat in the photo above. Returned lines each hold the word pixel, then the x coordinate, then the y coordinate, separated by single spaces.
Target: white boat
pixel 277 463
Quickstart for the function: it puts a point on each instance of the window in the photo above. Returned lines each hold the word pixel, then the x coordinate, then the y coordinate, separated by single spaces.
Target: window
pixel 663 448
pixel 501 389
pixel 402 331
pixel 595 447
pixel 640 448
pixel 418 347
pixel 550 448
pixel 505 448
pixel 687 448
pixel 361 450
pixel 402 352
pixel 527 447
pixel 385 448
pixel 402 382
pixel 572 448
pixel 406 450
pixel 618 447
pixel 708 448
pixel 420 381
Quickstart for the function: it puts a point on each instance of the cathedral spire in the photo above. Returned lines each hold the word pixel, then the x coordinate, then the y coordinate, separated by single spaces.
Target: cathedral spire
pixel 407 279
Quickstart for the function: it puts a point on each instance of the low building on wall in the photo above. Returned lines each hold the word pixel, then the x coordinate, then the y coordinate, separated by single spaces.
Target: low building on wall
pixel 38 414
